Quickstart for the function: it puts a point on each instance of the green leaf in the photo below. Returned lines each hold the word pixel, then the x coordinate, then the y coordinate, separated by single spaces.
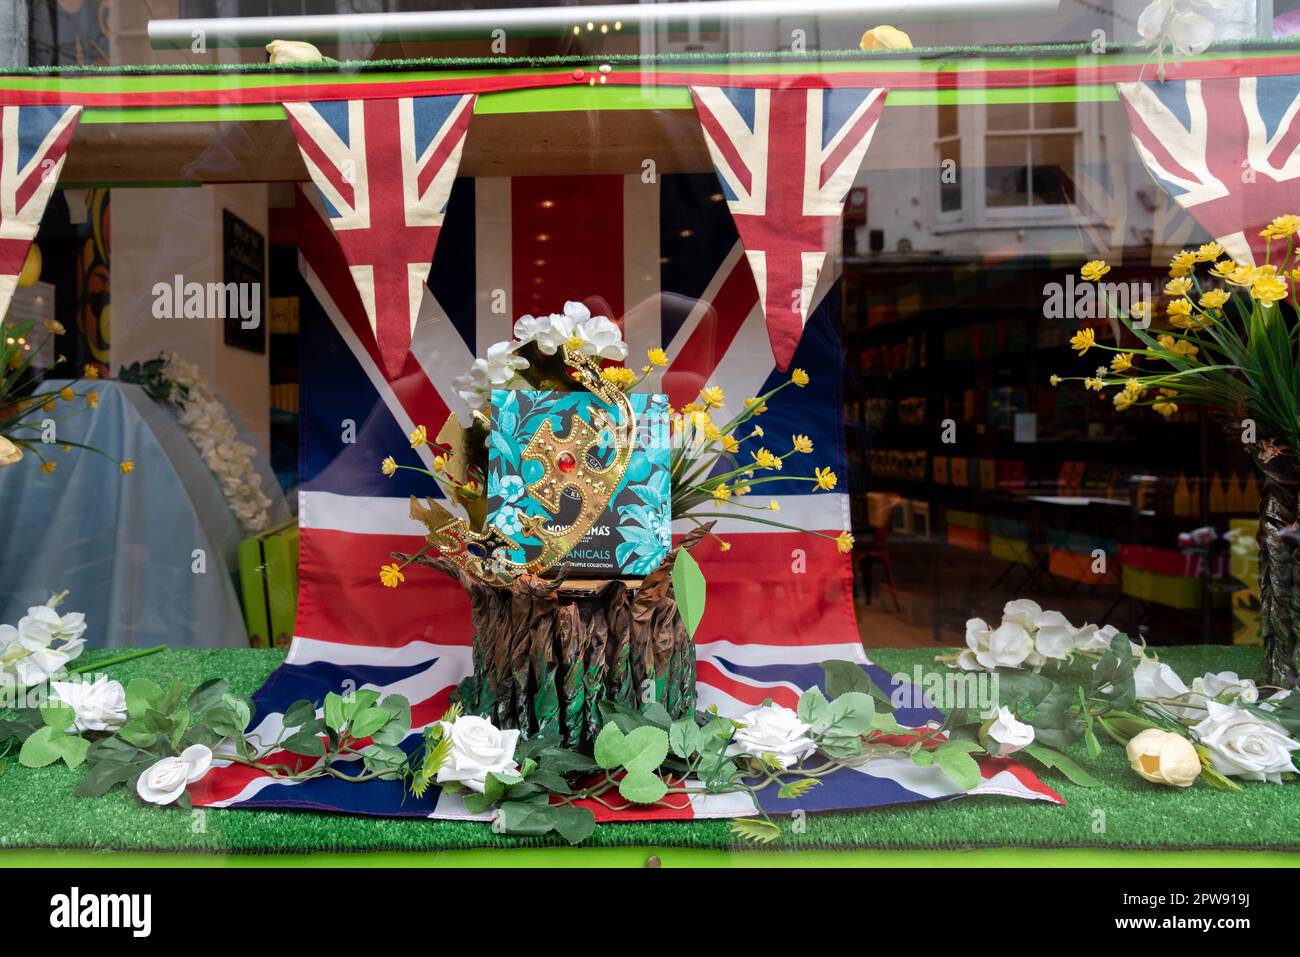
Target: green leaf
pixel 642 787
pixel 102 778
pixel 689 590
pixel 958 765
pixel 755 830
pixel 305 744
pixel 142 695
pixel 814 709
pixel 366 723
pixel 843 677
pixel 299 713
pixel 58 717
pixel 1051 758
pixel 74 750
pixel 574 824
pixel 642 750
pixel 42 749
pixel 683 737
pixel 135 733
pixel 851 713
pixel 208 694
pixel 397 705
pixel 609 747
pixel 334 712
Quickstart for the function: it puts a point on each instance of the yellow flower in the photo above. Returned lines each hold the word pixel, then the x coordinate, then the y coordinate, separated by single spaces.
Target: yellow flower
pixel 724 545
pixel 618 375
pixel 54 326
pixel 1165 408
pixel 1178 287
pixel 1055 379
pixel 48 467
pixel 1224 268
pixel 1122 362
pixel 92 400
pixel 1209 252
pixel 758 431
pixel 721 493
pixel 50 405
pixel 66 393
pixel 690 408
pixel 774 506
pixel 802 443
pixel 1135 388
pixel 756 406
pixel 729 444
pixel 1140 311
pixel 1242 276
pixel 741 489
pixel 713 396
pixel 1123 400
pixel 799 378
pixel 1215 299
pixel 1179 347
pixel 844 542
pixel 712 432
pixel 1093 384
pixel 90 371
pixel 657 357
pixel 1179 307
pixel 388 466
pixel 1281 227
pixel 1269 289
pixel 826 479
pixel 391 575
pixel 766 460
pixel 439 463
pixel 1182 264
pixel 1083 340
pixel 126 467
pixel 419 437
pixel 1094 270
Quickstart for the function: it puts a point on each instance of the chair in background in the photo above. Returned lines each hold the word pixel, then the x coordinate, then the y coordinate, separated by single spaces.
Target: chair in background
pixel 880 505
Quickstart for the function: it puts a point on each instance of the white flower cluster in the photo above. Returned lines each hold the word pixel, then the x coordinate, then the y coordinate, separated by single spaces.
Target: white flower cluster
pixel 207 422
pixel 41 646
pixel 596 336
pixel 1028 637
pixel 1180 24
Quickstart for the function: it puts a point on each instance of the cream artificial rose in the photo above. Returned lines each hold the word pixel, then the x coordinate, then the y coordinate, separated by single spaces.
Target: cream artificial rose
pixel 99 707
pixel 478 747
pixel 1010 734
pixel 772 729
pixel 166 780
pixel 9 453
pixel 1163 757
pixel 1244 745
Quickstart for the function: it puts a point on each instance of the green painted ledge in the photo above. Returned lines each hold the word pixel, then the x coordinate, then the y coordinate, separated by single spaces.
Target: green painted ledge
pixel 667 857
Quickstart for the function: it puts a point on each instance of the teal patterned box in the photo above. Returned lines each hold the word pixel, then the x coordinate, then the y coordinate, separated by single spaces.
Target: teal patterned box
pixel 635 533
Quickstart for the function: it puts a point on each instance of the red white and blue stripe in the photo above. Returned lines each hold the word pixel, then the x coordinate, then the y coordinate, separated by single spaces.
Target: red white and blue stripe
pixel 665 260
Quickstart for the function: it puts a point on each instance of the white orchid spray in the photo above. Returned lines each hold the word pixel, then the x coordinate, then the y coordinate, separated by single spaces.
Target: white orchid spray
pixel 1178 27
pixel 41 645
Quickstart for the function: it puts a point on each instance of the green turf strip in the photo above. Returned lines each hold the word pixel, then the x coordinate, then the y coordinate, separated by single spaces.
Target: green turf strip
pixel 37 809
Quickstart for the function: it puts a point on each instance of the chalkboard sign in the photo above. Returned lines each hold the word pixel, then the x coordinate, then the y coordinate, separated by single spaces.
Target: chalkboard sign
pixel 243 256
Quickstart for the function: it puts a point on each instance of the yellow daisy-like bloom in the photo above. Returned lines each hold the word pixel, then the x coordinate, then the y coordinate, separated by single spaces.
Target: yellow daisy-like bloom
pixel 741 489
pixel 1083 340
pixel 1182 264
pixel 721 493
pixel 766 460
pixel 657 357
pixel 1215 299
pixel 729 444
pixel 1123 400
pixel 126 467
pixel 774 506
pixel 826 479
pixel 1178 287
pixel 391 575
pixel 388 466
pixel 1095 385
pixel 713 396
pixel 1122 362
pixel 1179 307
pixel 1094 270
pixel 1281 227
pixel 758 431
pixel 1168 393
pixel 1141 311
pixel 712 432
pixel 439 463
pixel 1224 268
pixel 1243 276
pixel 54 326
pixel 48 467
pixel 1269 289
pixel 92 400
pixel 1135 388
pixel 799 378
pixel 1209 252
pixel 802 443
pixel 419 436
pixel 724 545
pixel 618 375
pixel 1179 347
pixel 1165 408
pixel 66 393
pixel 844 542
pixel 1054 379
pixel 49 406
pixel 690 408
pixel 756 406
pixel 90 371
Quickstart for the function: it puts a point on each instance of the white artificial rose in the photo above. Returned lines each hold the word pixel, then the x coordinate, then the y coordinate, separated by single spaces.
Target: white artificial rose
pixel 601 337
pixel 1055 637
pixel 977 642
pixel 772 729
pixel 1225 684
pixel 502 365
pixel 99 707
pixel 165 781
pixel 1154 679
pixel 1010 734
pixel 478 747
pixel 1009 646
pixel 9 453
pixel 1023 612
pixel 1244 745
pixel 1163 757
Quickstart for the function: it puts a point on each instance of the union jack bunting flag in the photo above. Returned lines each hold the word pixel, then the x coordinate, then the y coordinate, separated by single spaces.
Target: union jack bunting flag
pixel 786 160
pixel 1125 218
pixel 665 260
pixel 1228 150
pixel 384 169
pixel 33 144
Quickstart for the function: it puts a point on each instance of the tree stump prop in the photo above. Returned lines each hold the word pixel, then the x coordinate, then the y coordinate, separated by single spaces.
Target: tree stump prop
pixel 549 651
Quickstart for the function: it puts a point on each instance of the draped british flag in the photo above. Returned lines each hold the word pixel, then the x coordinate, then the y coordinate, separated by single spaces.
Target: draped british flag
pixel 665 260
pixel 1228 150
pixel 786 160
pixel 1125 218
pixel 33 145
pixel 384 169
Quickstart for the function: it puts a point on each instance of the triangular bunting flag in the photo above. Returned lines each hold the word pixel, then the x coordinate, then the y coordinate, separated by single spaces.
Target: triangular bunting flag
pixel 786 160
pixel 384 169
pixel 1228 150
pixel 33 144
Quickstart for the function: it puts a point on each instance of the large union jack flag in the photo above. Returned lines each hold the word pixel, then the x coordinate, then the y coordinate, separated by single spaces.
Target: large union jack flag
pixel 1228 150
pixel 33 144
pixel 384 169
pixel 786 160
pixel 664 259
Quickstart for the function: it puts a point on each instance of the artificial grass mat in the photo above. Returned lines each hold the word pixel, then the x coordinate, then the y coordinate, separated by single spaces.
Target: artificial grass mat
pixel 38 809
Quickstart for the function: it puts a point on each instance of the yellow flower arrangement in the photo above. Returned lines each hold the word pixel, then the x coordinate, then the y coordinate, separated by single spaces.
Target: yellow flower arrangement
pixel 419 436
pixel 1094 270
pixel 802 444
